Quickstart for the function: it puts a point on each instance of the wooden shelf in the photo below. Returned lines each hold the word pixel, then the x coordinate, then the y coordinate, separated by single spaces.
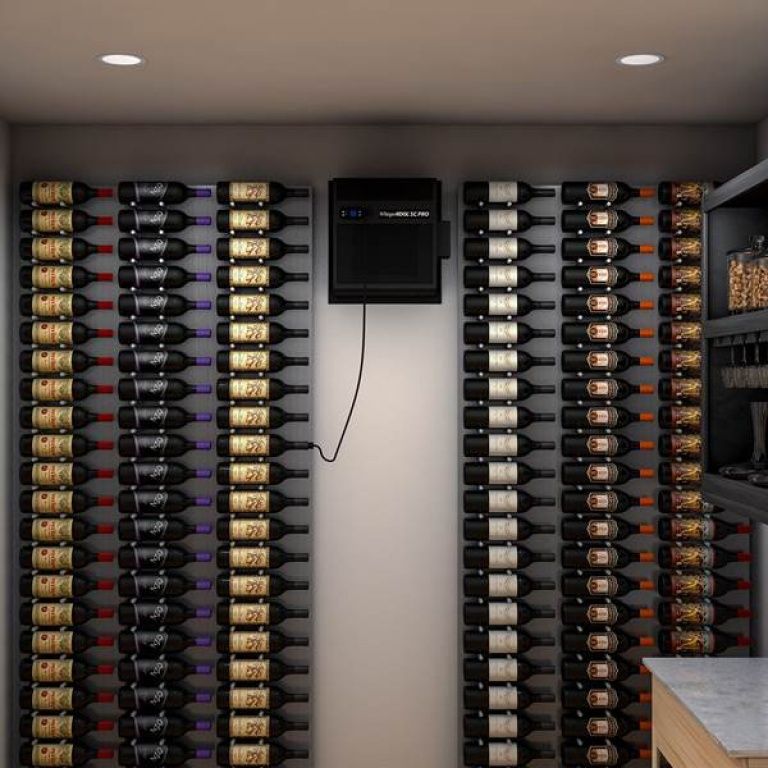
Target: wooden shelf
pixel 736 496
pixel 747 190
pixel 747 322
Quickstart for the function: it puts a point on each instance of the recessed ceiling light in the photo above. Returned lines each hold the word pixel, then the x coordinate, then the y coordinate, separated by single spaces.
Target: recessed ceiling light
pixel 640 59
pixel 121 59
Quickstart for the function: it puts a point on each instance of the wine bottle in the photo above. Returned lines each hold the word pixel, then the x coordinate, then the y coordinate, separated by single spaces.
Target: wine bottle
pixel 261 697
pixel 609 304
pixel 503 726
pixel 502 473
pixel 158 417
pixel 503 697
pixel 503 502
pixel 680 390
pixel 158 699
pixel 503 360
pixel 502 249
pixel 156 585
pixel 582 557
pixel 150 389
pixel 59 249
pixel 257 445
pixel 507 221
pixel 239 614
pixel 701 613
pixel 254 360
pixel 59 417
pixel 160 360
pixel 244 304
pixel 504 277
pixel 507 193
pixel 681 221
pixel 251 417
pixel 613 613
pixel 506 641
pixel 153 643
pixel 604 641
pixel 608 754
pixel 612 669
pixel 59 670
pixel 60 389
pixel 507 388
pixel 501 332
pixel 602 333
pixel 257 333
pixel 58 305
pixel 602 445
pixel 60 726
pixel 256 557
pixel 683 501
pixel 502 417
pixel 256 586
pixel 680 305
pixel 601 389
pixel 256 192
pixel 157 220
pixel 505 614
pixel 60 361
pixel 698 585
pixel 60 642
pixel 583 192
pixel 255 248
pixel 257 670
pixel 256 473
pixel 47 558
pixel 601 585
pixel 605 275
pixel 40 614
pixel 60 502
pixel 505 753
pixel 503 585
pixel 137 192
pixel 681 249
pixel 60 446
pixel 59 221
pixel 680 277
pixel 154 615
pixel 680 334
pixel 157 305
pixel 599 249
pixel 257 277
pixel 503 529
pixel 157 473
pixel 698 528
pixel 503 445
pixel 504 557
pixel 251 727
pixel 62 529
pixel 503 670
pixel 601 473
pixel 61 754
pixel 258 530
pixel 62 193
pixel 60 586
pixel 607 502
pixel 255 502
pixel 145 557
pixel 680 418
pixel 256 389
pixel 143 446
pixel 63 333
pixel 504 304
pixel 159 276
pixel 680 445
pixel 586 220
pixel 682 192
pixel 162 726
pixel 61 698
pixel 257 754
pixel 157 248
pixel 51 277
pixel 602 697
pixel 699 556
pixel 246 643
pixel 600 417
pixel 242 220
pixel 604 726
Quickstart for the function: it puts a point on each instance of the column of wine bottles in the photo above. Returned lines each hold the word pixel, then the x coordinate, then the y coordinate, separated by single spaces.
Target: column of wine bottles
pixel 508 636
pixel 692 578
pixel 65 519
pixel 261 584
pixel 166 549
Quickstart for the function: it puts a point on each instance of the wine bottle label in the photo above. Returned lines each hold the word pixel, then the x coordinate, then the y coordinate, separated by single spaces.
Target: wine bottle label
pixel 686 418
pixel 249 586
pixel 502 277
pixel 502 529
pixel 501 697
pixel 602 332
pixel 694 585
pixel 602 755
pixel 502 585
pixel 503 248
pixel 607 473
pixel 248 221
pixel 601 501
pixel 52 333
pixel 249 445
pixel 604 191
pixel 602 361
pixel 602 642
pixel 249 754
pixel 247 473
pixel 685 445
pixel 503 220
pixel 602 445
pixel 249 530
pixel 503 192
pixel 249 191
pixel 502 360
pixel 692 528
pixel 249 333
pixel 53 643
pixel 52 502
pixel 52 221
pixel 602 417
pixel 53 699
pixel 602 670
pixel 52 277
pixel 685 389
pixel 146 191
pixel 249 304
pixel 602 529
pixel 500 417
pixel 52 304
pixel 602 727
pixel 249 557
pixel 52 192
pixel 502 472
pixel 53 754
pixel 602 613
pixel 249 698
pixel 249 670
pixel 52 418
pixel 602 275
pixel 52 389
pixel 248 727
pixel 602 246
pixel 52 361
pixel 685 333
pixel 686 220
pixel 602 304
pixel 502 614
pixel 686 304
pixel 599 219
pixel 502 333
pixel 249 389
pixel 249 277
pixel 685 474
pixel 699 614
pixel 249 642
pixel 52 727
pixel 692 641
pixel 502 445
pixel 602 388
pixel 692 556
pixel 686 276
pixel 502 389
pixel 249 417
pixel 602 557
pixel 502 641
pixel 598 586
pixel 502 753
pixel 602 698
pixel 249 501
pixel 252 360
pixel 241 614
pixel 52 249
pixel 52 558
pixel 502 557
pixel 501 670
pixel 52 670
pixel 502 501
pixel 502 726
pixel 502 303
pixel 53 586
pixel 687 248
pixel 52 614
pixel 249 247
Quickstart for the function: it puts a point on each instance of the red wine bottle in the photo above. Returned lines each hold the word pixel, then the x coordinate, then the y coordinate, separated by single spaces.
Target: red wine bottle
pixel 682 192
pixel 46 753
pixel 256 502
pixel 503 697
pixel 157 473
pixel 45 670
pixel 154 615
pixel 502 304
pixel 602 445
pixel 699 529
pixel 61 698
pixel 680 390
pixel 503 473
pixel 257 557
pixel 244 304
pixel 256 417
pixel 503 585
pixel 602 641
pixel 157 220
pixel 502 361
pixel 235 249
pixel 503 641
pixel 146 557
pixel 604 726
pixel 613 613
pixel 505 753
pixel 60 333
pixel 261 697
pixel 158 726
pixel 60 642
pixel 601 473
pixel 681 221
pixel 243 220
pixel 688 446
pixel 143 446
pixel 146 389
pixel 680 305
pixel 587 220
pixel 159 360
pixel 248 642
pixel 609 304
pixel 60 446
pixel 257 333
pixel 60 726
pixel 601 585
pixel 156 529
pixel 257 445
pixel 502 193
pixel 256 473
pixel 680 277
pixel 506 557
pixel 60 361
pixel 502 417
pixel 600 417
pixel 60 389
pixel 51 277
pixel 59 417
pixel 695 586
pixel 239 614
pixel 255 361
pixel 257 277
pixel 699 642
pixel 503 529
pixel 58 249
pixel 58 558
pixel 614 753
pixel 157 586
pixel 502 445
pixel 504 277
pixel 506 389
pixel 585 557
pixel 604 275
pixel 157 502
pixel 138 192
pixel 680 360
pixel 700 613
pixel 158 417
pixel 61 529
pixel 255 192
pixel 584 192
pixel 153 643
pixel 682 250
pixel 239 389
pixel 58 305
pixel 507 221
pixel 681 335
pixel 599 249
pixel 612 669
pixel 60 586
pixel 601 389
pixel 158 699
pixel 602 333
pixel 157 305
pixel 151 671
pixel 236 754
pixel 503 726
pixel 257 670
pixel 699 556
pixel 240 726
pixel 504 332
pixel 494 502
pixel 158 249
pixel 683 501
pixel 605 502
pixel 504 614
pixel 256 586
pixel 602 697
pixel 61 221
pixel 502 249
pixel 63 193
pixel 503 670
pixel 158 276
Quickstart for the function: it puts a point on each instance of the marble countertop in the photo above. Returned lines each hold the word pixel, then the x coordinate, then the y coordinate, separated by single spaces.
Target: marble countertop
pixel 729 697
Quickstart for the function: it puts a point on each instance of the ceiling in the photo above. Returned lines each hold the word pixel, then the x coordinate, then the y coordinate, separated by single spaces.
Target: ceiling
pixel 363 61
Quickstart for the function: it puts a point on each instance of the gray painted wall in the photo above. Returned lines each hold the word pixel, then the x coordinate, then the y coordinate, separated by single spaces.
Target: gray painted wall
pixel 386 515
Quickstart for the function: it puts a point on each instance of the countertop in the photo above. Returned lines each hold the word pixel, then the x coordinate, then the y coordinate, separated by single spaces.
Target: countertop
pixel 729 697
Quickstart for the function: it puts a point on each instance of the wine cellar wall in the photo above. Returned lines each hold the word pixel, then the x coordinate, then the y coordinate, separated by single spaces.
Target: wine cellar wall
pixel 585 542
pixel 163 356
